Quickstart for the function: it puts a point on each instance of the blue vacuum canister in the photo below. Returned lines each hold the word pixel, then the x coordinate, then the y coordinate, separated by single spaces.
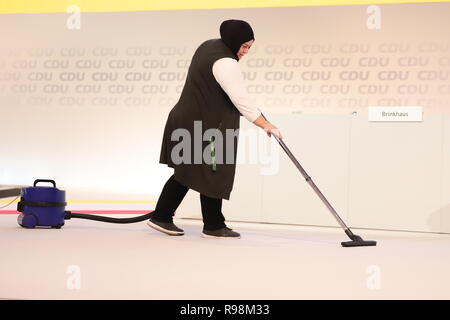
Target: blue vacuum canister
pixel 45 207
pixel 42 206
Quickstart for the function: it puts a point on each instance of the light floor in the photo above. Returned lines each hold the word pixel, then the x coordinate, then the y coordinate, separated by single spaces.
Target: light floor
pixel 95 260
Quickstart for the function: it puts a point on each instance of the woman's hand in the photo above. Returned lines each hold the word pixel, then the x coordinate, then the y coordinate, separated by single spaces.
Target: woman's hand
pixel 267 127
pixel 271 129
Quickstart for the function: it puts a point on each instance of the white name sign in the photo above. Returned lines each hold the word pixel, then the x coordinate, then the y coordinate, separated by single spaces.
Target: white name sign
pixel 396 114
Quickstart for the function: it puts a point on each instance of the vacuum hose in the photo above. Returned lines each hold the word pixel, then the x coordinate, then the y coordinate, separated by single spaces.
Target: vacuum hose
pixel 69 215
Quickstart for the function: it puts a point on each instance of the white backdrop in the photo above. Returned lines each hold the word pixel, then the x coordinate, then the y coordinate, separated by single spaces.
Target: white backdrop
pixel 87 106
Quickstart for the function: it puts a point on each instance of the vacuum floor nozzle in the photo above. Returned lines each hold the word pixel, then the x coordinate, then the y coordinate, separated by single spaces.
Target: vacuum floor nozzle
pixel 357 241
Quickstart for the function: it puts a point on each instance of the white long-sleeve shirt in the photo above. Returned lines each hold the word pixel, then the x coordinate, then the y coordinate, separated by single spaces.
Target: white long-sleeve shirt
pixel 229 75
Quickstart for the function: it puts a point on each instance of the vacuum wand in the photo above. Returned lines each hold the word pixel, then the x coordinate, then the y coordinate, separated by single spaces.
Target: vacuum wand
pixel 357 241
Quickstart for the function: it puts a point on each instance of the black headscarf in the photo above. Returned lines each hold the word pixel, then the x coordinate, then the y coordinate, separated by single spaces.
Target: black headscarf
pixel 234 33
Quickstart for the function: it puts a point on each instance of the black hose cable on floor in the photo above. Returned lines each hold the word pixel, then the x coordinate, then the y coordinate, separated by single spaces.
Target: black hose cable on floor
pixel 69 215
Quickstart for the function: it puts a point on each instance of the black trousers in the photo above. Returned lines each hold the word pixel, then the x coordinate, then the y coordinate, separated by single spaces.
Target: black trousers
pixel 172 195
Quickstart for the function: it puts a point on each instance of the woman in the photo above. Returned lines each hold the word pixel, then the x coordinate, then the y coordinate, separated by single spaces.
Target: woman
pixel 212 100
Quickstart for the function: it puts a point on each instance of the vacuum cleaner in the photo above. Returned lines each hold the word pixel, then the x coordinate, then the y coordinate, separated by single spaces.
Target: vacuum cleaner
pixel 45 207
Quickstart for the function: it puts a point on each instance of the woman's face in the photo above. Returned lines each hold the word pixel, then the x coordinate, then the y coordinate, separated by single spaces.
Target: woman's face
pixel 243 50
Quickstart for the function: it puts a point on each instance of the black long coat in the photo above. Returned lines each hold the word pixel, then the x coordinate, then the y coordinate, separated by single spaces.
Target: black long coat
pixel 202 99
